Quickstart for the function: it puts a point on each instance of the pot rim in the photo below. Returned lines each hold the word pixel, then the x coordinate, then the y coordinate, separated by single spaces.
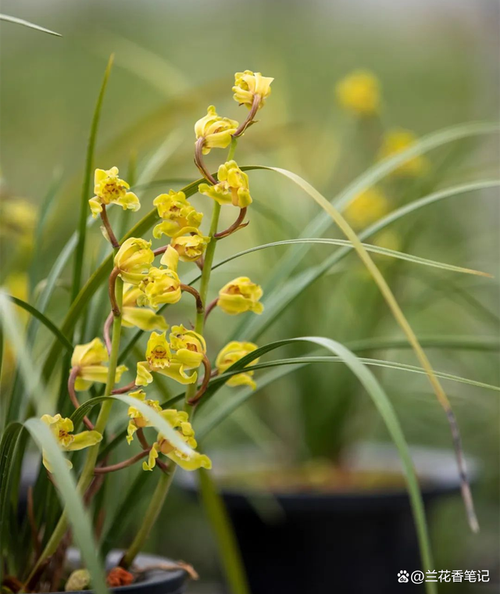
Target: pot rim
pixel 175 579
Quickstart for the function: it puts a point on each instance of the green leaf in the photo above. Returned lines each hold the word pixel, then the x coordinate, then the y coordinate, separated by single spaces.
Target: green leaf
pixel 77 514
pixel 368 247
pixel 278 299
pixel 45 321
pixel 215 509
pixel 386 410
pixel 15 20
pixel 85 196
pixel 370 177
pixel 8 445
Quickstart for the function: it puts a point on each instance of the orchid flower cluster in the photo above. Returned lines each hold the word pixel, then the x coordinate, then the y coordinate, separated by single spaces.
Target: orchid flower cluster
pixel 139 286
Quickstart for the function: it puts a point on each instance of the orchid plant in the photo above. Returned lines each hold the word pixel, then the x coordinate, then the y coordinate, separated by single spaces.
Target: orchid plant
pixel 143 286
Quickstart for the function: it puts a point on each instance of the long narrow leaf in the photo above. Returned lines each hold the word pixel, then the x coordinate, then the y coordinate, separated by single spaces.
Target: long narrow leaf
pixel 45 321
pixel 85 196
pixel 22 22
pixel 404 325
pixel 386 410
pixel 77 514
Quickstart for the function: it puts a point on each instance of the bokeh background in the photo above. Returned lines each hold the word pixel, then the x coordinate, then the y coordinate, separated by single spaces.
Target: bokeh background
pixel 437 63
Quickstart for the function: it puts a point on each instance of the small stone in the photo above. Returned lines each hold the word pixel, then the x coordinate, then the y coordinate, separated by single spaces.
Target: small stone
pixel 78 580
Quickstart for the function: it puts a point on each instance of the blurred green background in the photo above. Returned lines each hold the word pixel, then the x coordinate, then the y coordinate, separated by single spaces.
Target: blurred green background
pixel 437 63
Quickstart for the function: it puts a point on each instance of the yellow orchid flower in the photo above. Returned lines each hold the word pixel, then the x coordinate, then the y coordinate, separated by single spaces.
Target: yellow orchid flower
pixel 177 214
pixel 62 429
pixel 359 92
pixel 366 208
pixel 139 317
pixel 394 142
pixel 179 420
pixel 137 419
pixel 161 285
pixel 190 247
pixel 89 358
pixel 190 346
pixel 134 259
pixel 232 352
pixel 240 295
pixel 232 187
pixel 159 359
pixel 248 84
pixel 110 189
pixel 215 130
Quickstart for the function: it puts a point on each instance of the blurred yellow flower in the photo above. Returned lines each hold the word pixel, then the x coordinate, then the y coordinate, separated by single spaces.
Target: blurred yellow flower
pixel 190 247
pixel 232 187
pixel 62 429
pixel 240 295
pixel 177 214
pixel 247 85
pixel 359 92
pixel 134 259
pixel 366 208
pixel 17 217
pixel 110 189
pixel 389 240
pixel 159 359
pixel 179 420
pixel 215 130
pixel 232 352
pixel 89 358
pixel 139 317
pixel 397 140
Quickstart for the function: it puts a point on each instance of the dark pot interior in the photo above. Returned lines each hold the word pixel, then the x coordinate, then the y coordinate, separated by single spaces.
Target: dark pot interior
pixel 154 582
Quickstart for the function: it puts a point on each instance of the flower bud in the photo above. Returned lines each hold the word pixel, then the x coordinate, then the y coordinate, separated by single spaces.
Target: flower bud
pixel 134 259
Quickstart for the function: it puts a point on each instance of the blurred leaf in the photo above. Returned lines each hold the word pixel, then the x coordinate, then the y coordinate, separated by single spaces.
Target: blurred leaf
pixel 10 439
pixel 45 321
pixel 11 19
pixel 369 178
pixel 252 326
pixel 227 544
pixel 88 174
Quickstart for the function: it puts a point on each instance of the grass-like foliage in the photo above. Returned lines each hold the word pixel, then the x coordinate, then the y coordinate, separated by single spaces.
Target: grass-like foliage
pixel 130 284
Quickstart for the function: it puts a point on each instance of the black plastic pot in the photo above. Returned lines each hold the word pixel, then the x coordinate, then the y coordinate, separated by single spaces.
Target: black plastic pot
pixel 154 582
pixel 355 543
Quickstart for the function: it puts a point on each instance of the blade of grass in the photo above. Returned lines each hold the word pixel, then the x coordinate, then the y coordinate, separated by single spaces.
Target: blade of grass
pixel 45 321
pixel 386 410
pixel 368 247
pixel 218 517
pixel 405 327
pixel 22 22
pixel 251 327
pixel 85 196
pixel 77 514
